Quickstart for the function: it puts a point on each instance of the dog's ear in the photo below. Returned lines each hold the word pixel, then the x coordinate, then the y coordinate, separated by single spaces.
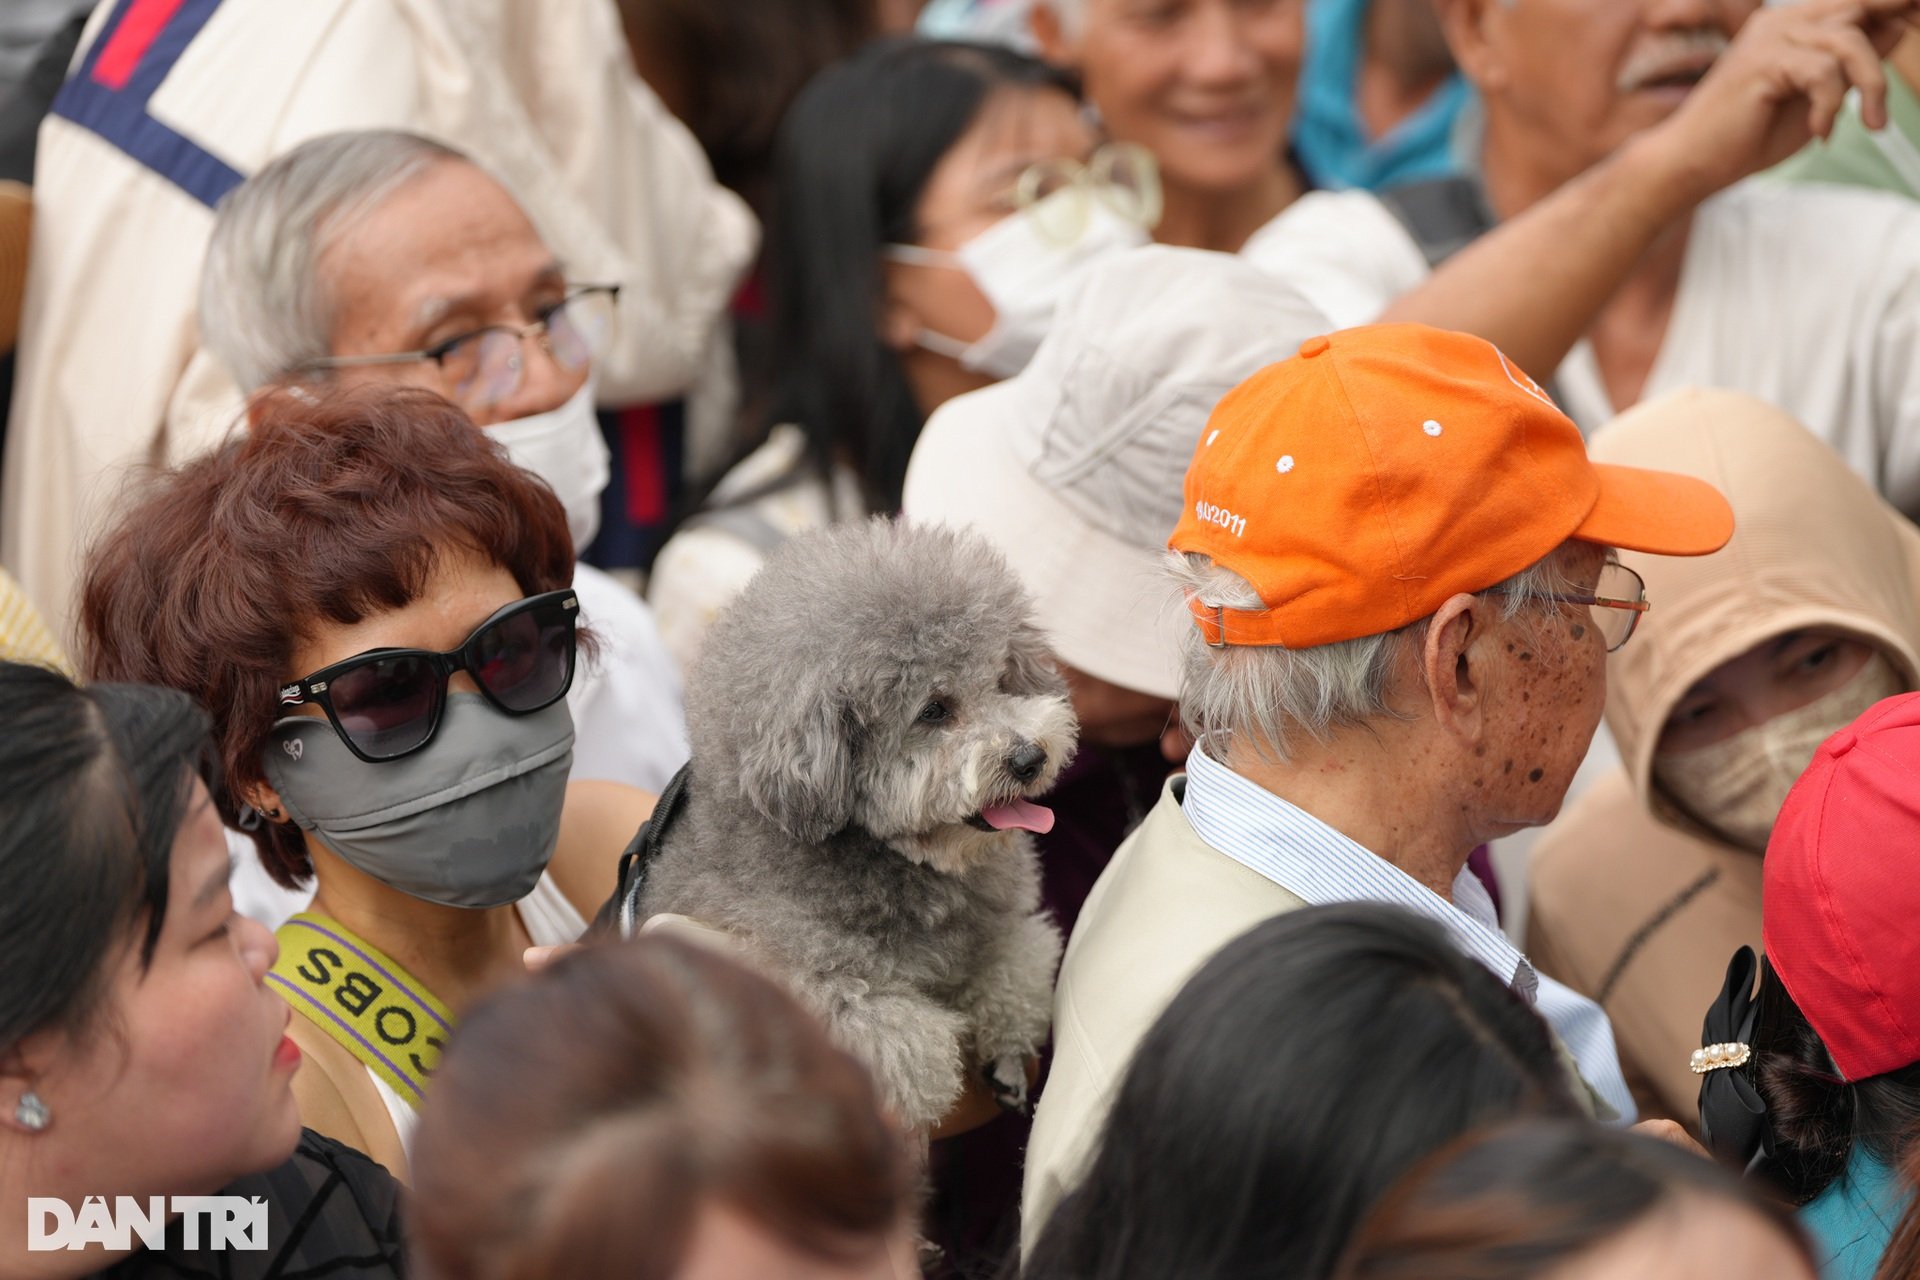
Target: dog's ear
pixel 799 770
pixel 1030 669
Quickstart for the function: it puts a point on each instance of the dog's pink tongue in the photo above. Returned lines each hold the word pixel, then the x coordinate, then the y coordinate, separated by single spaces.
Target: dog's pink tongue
pixel 1024 814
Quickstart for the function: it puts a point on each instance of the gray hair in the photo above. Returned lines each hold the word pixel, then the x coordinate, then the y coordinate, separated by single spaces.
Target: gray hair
pixel 263 309
pixel 1268 694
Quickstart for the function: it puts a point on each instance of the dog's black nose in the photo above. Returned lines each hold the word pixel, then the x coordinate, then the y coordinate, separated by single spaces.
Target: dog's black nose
pixel 1024 764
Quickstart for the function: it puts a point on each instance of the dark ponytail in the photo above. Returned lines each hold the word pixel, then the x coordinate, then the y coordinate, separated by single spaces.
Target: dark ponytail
pixel 1816 1115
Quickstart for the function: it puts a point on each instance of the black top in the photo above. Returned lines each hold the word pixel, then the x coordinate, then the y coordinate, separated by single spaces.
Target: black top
pixel 330 1212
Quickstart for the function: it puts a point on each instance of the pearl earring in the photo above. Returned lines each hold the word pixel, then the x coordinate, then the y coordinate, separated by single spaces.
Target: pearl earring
pixel 32 1113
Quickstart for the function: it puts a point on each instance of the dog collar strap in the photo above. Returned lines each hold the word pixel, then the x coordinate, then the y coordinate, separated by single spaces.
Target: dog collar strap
pixel 642 852
pixel 373 1008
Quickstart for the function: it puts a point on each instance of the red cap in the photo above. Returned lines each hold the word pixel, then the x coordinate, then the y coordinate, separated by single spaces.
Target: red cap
pixel 1840 906
pixel 1383 469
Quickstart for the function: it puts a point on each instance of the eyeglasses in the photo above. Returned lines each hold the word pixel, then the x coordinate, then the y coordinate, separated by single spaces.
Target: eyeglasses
pixel 485 365
pixel 1057 196
pixel 1618 600
pixel 386 703
pixel 1121 175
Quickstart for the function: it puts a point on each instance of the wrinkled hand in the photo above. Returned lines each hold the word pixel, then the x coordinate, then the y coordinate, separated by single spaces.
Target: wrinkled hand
pixel 1781 83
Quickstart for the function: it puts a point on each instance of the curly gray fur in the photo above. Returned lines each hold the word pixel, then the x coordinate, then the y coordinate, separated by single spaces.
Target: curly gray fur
pixel 827 821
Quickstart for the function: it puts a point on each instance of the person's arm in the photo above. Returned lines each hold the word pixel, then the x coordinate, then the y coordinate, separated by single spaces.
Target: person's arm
pixel 1534 285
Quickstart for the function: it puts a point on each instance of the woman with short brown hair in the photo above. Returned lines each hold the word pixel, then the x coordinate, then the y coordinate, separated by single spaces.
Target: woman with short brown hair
pixel 373 604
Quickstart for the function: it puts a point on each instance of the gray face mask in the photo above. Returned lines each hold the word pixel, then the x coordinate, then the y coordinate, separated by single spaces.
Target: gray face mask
pixel 469 820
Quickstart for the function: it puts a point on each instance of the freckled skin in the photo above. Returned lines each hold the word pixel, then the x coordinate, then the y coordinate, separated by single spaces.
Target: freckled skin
pixel 1558 654
pixel 1462 700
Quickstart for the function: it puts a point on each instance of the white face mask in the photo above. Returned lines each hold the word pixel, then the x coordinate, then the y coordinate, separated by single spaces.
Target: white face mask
pixel 564 447
pixel 1736 786
pixel 1024 275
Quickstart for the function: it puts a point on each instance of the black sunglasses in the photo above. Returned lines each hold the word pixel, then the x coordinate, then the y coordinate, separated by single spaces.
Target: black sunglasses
pixel 386 703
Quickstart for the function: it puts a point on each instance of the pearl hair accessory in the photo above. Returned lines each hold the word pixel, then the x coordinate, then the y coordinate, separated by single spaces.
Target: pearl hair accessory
pixel 1716 1056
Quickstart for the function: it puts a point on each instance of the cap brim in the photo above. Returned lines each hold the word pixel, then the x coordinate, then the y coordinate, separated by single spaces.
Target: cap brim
pixel 1657 512
pixel 1107 607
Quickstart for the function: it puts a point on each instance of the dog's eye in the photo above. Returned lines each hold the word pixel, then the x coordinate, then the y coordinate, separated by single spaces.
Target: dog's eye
pixel 935 712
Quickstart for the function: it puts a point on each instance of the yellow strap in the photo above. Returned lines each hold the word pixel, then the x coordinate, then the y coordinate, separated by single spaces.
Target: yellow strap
pixel 23 636
pixel 376 1010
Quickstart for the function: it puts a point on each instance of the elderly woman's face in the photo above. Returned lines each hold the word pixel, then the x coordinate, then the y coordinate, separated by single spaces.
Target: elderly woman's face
pixel 186 1084
pixel 445 254
pixel 1206 85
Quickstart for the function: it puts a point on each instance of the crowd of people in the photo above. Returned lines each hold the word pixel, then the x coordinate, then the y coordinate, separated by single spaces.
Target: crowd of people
pixel 1456 462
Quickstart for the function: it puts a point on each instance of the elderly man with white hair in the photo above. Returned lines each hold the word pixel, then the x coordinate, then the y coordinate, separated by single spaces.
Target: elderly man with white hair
pixel 384 257
pixel 1611 244
pixel 1397 565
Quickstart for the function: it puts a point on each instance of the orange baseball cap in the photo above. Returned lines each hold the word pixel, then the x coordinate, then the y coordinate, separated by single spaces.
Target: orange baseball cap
pixel 1384 469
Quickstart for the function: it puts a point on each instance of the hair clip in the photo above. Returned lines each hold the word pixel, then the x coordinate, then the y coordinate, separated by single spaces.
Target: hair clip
pixel 1714 1057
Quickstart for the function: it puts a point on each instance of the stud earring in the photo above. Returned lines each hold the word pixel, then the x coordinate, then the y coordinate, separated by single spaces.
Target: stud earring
pixel 32 1113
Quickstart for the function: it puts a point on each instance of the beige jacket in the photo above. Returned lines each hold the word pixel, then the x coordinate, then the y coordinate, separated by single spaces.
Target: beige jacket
pixel 110 372
pixel 1163 906
pixel 1632 903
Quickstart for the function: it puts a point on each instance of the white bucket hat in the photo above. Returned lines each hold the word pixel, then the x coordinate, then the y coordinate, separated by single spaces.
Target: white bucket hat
pixel 1074 467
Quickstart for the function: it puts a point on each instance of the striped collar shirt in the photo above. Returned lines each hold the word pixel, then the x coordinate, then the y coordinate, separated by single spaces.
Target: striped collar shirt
pixel 1298 852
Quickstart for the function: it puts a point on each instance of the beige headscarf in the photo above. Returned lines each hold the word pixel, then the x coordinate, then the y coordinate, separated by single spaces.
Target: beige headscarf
pixel 1634 903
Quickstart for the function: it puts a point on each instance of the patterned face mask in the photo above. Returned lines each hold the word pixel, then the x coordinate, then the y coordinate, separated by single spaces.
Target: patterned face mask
pixel 1736 786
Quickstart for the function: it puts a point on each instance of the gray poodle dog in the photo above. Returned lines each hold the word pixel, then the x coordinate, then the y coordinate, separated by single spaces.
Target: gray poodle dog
pixel 869 719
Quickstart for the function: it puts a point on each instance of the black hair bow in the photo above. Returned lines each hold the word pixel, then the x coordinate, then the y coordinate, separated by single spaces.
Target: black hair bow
pixel 1733 1116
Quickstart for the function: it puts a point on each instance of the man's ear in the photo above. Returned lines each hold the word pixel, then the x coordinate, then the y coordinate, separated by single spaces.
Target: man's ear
pixel 1472 28
pixel 1050 33
pixel 1453 659
pixel 283 395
